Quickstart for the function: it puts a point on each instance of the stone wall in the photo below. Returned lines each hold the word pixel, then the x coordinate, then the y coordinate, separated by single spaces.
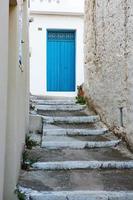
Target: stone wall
pixel 109 61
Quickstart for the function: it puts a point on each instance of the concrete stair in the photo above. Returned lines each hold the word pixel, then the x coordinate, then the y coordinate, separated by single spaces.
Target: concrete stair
pixel 55 102
pixel 62 155
pixel 78 158
pixel 60 107
pixel 72 119
pixel 70 165
pixel 74 132
pixel 78 195
pixel 74 144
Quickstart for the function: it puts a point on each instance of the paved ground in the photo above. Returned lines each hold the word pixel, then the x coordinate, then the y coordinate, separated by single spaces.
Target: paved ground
pixel 82 184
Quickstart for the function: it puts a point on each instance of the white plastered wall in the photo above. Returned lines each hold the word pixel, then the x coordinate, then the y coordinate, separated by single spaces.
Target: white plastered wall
pixel 38 44
pixel 13 94
pixel 4 10
pixel 17 101
pixel 59 6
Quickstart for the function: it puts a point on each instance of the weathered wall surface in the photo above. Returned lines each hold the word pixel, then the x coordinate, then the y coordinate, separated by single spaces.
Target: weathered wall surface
pixel 109 60
pixel 129 59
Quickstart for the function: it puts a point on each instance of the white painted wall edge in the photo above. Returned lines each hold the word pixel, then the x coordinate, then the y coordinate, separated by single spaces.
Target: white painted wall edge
pixel 56 13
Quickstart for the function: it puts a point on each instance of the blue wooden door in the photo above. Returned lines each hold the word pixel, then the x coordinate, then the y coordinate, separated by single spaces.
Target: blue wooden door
pixel 61 61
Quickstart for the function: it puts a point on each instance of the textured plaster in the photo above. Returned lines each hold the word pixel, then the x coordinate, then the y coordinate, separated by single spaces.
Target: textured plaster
pixel 108 60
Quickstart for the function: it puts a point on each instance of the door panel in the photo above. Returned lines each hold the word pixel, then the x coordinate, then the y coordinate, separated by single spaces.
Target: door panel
pixel 61 61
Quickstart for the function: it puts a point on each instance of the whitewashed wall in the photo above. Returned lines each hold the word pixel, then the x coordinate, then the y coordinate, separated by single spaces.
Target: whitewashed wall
pixel 14 93
pixel 38 44
pixel 73 6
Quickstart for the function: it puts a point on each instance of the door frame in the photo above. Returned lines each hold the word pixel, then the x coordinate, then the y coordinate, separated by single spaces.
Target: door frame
pixel 61 93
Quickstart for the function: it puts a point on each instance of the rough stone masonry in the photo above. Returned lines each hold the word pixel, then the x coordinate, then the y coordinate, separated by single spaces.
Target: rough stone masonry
pixel 109 63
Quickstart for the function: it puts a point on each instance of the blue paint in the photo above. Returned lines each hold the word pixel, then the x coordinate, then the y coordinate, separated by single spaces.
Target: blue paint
pixel 60 61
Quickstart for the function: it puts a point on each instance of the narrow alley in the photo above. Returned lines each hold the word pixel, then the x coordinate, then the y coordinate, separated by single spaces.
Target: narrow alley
pixel 66 96
pixel 77 157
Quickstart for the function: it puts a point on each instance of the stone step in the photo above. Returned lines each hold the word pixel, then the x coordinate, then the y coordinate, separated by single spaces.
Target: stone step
pixel 86 126
pixel 67 139
pixel 78 195
pixel 73 180
pixel 60 107
pixel 78 144
pixel 55 102
pixel 72 119
pixel 74 132
pixel 75 165
pixel 62 113
pixel 104 154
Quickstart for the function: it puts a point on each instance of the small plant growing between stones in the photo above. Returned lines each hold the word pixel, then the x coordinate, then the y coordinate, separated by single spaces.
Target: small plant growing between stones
pixel 30 143
pixel 80 96
pixel 21 195
pixel 27 162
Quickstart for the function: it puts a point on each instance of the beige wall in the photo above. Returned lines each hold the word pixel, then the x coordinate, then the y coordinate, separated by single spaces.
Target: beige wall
pixel 109 61
pixel 4 6
pixel 26 60
pixel 14 95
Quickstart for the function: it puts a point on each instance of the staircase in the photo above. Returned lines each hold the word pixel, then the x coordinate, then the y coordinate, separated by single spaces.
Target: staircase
pixel 79 159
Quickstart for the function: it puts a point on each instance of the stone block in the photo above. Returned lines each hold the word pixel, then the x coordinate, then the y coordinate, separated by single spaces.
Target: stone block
pixel 35 123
